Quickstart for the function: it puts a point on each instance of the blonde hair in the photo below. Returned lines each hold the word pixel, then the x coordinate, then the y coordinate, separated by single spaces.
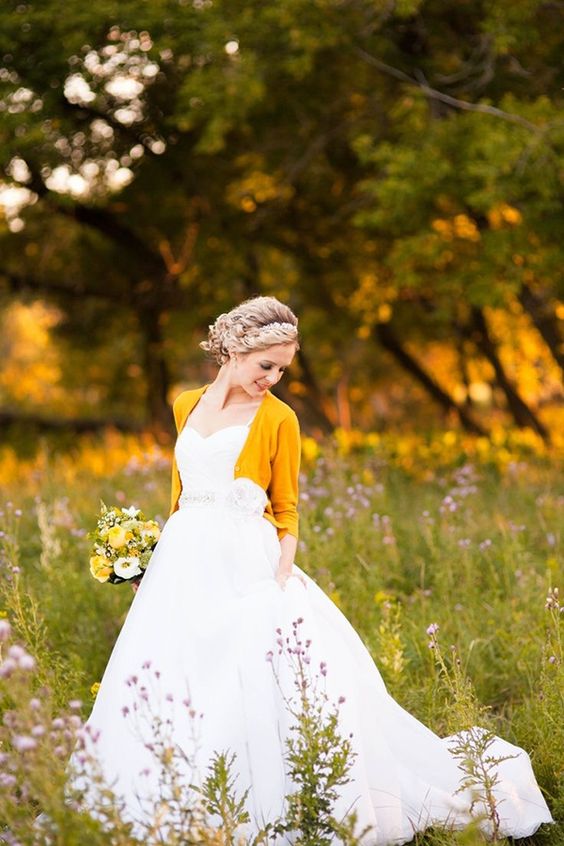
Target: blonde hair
pixel 255 324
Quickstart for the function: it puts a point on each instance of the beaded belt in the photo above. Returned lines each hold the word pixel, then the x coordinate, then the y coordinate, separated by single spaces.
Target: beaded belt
pixel 243 496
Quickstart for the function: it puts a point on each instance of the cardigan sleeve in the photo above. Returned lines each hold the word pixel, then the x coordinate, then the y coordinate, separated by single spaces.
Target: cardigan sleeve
pixel 175 480
pixel 285 468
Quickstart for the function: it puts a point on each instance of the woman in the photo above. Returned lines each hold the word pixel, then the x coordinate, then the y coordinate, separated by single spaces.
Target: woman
pixel 223 579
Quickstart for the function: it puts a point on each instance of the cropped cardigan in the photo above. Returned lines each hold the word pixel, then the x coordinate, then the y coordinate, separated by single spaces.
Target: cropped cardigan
pixel 270 457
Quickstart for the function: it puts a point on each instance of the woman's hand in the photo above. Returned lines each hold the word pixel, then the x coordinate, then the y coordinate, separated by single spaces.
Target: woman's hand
pixel 282 576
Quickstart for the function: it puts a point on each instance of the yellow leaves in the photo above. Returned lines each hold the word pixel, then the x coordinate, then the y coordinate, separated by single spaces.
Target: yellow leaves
pixel 460 226
pixel 371 300
pixel 503 214
pixel 248 204
pixel 384 312
pixel 256 186
pixel 31 370
pixel 297 388
pixel 363 332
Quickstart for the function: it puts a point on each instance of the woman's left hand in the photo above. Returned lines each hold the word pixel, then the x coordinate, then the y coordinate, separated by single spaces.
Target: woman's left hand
pixel 282 577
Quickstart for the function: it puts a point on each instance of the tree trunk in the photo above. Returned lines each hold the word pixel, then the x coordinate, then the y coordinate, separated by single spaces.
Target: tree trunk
pixel 545 321
pixel 156 369
pixel 390 342
pixel 522 414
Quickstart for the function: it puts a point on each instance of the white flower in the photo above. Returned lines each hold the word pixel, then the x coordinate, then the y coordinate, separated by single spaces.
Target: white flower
pixel 131 511
pixel 246 496
pixel 127 567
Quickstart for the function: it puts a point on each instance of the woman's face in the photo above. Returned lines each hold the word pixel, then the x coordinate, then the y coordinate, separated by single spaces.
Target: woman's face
pixel 259 370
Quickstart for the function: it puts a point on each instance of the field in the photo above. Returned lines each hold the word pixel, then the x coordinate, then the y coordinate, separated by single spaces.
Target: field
pixel 402 532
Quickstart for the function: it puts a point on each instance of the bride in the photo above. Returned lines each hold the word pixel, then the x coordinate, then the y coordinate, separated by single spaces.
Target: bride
pixel 223 579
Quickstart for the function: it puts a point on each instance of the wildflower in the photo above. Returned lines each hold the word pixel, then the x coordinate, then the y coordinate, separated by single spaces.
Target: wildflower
pixel 23 742
pixel 7 668
pixel 38 730
pixel 16 651
pixel 75 704
pixel 58 723
pixel 552 600
pixel 269 656
pixel 432 629
pixel 27 662
pixel 34 703
pixel 5 630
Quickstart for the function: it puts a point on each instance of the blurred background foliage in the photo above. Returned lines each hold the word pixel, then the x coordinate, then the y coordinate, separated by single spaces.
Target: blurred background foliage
pixel 392 170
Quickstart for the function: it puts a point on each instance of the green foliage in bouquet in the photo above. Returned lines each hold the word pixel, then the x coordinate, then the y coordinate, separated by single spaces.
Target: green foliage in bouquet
pixel 122 544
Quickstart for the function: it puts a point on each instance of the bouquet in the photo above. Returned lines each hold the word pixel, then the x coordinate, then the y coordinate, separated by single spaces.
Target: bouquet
pixel 122 544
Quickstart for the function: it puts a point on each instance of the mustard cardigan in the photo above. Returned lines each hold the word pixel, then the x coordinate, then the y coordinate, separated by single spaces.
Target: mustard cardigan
pixel 270 457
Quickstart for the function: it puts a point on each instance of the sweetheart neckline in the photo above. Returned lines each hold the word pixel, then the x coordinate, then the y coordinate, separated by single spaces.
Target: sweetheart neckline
pixel 223 428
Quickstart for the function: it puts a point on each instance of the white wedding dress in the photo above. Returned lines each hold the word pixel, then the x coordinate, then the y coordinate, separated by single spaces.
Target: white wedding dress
pixel 205 616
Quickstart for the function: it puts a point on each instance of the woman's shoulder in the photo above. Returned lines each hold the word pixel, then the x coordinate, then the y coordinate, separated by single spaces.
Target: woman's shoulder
pixel 280 410
pixel 184 400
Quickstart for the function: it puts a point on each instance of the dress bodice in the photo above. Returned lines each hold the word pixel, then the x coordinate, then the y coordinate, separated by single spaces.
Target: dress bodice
pixel 207 463
pixel 206 467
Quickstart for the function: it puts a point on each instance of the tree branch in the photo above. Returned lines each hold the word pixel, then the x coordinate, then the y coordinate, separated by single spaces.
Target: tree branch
pixel 446 98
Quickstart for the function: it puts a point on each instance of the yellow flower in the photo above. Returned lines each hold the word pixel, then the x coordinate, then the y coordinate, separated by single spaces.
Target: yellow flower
pixel 117 537
pixel 335 596
pixel 152 529
pixel 310 448
pixel 94 689
pixel 100 568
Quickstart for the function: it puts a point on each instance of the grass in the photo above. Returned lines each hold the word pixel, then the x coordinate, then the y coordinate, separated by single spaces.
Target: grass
pixel 400 532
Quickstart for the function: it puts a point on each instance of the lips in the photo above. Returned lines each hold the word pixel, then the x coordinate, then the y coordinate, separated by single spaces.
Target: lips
pixel 261 387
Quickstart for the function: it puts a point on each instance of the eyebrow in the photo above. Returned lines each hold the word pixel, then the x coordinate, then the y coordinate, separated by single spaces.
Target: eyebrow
pixel 268 361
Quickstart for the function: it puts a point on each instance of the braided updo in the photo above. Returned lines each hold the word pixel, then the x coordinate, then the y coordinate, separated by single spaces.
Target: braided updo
pixel 248 327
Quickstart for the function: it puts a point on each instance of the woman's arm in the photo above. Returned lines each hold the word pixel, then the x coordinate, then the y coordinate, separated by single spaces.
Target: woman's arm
pixel 283 492
pixel 288 545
